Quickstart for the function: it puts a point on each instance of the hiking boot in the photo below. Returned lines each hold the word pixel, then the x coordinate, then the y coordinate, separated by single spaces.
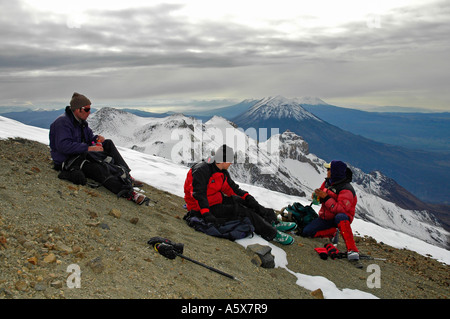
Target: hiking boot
pixel 352 255
pixel 137 198
pixel 283 238
pixel 285 226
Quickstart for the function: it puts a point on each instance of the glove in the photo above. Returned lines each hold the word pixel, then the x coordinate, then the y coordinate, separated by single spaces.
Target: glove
pixel 210 218
pixel 332 251
pixel 322 253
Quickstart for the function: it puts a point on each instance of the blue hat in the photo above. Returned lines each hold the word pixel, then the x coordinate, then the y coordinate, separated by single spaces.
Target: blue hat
pixel 338 171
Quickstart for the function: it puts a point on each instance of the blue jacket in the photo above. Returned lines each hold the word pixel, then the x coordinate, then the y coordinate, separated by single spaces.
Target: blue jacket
pixel 69 137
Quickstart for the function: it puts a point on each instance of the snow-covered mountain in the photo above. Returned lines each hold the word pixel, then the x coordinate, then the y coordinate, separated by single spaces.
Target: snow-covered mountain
pixel 156 171
pixel 309 100
pixel 277 107
pixel 282 163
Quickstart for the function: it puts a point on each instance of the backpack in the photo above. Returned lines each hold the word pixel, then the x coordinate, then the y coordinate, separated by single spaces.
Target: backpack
pixel 300 214
pixel 232 230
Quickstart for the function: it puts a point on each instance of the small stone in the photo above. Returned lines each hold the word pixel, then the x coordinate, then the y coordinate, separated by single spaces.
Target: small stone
pixel 318 294
pixel 134 220
pixel 76 249
pixel 104 226
pixel 92 224
pixel 32 260
pixel 96 265
pixel 28 244
pixel 63 248
pixel 50 258
pixel 56 284
pixel 21 285
pixel 256 260
pixel 40 286
pixel 115 213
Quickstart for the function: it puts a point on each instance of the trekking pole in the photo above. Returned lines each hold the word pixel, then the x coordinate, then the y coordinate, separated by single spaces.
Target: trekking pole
pixel 361 256
pixel 170 250
pixel 206 266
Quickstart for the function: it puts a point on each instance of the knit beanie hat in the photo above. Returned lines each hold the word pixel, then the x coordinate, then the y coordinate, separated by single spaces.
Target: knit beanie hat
pixel 78 101
pixel 338 171
pixel 224 154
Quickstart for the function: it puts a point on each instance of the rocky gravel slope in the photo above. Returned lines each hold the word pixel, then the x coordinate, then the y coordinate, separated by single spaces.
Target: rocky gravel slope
pixel 49 228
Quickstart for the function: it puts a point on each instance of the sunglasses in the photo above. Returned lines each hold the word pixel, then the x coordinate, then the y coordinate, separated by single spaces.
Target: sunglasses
pixel 86 109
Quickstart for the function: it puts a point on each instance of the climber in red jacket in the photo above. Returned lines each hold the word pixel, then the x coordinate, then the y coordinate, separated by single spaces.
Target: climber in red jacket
pixel 210 193
pixel 338 200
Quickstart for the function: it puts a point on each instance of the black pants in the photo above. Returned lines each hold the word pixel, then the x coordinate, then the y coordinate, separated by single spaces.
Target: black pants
pixel 234 207
pixel 100 172
pixel 110 149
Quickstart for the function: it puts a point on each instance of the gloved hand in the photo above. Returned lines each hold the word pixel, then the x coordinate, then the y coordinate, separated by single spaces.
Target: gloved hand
pixel 210 218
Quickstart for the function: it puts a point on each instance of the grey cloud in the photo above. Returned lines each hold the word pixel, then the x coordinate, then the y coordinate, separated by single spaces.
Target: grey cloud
pixel 149 51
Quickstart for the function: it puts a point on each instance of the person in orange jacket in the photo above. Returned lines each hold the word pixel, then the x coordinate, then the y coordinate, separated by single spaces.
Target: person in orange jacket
pixel 338 199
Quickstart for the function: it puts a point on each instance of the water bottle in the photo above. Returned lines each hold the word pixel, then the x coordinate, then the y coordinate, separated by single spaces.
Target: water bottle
pixel 316 200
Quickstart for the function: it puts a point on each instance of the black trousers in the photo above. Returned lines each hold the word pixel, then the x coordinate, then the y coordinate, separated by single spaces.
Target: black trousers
pixel 234 207
pixel 99 172
pixel 110 148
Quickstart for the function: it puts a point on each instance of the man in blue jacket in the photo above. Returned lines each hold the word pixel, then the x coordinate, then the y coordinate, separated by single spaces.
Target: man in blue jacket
pixel 70 136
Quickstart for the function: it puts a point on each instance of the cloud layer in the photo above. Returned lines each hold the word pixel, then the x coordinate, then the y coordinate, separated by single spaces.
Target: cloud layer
pixel 142 53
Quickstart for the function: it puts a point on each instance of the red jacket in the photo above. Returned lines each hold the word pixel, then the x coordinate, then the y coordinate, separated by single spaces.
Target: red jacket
pixel 341 198
pixel 205 186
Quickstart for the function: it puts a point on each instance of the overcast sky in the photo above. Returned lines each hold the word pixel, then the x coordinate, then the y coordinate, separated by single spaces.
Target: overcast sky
pixel 347 53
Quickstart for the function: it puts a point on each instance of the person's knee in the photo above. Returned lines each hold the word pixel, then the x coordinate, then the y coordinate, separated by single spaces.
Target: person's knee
pixel 340 217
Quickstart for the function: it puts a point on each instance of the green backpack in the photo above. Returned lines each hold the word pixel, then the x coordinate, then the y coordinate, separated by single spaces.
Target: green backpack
pixel 300 214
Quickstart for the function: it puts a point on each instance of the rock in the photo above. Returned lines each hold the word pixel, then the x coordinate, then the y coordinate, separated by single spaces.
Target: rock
pixel 92 224
pixel 63 248
pixel 50 258
pixel 40 286
pixel 115 213
pixel 21 285
pixel 259 249
pixel 318 294
pixel 28 244
pixel 257 260
pixel 263 256
pixel 58 284
pixel 32 260
pixel 134 220
pixel 96 265
pixel 104 226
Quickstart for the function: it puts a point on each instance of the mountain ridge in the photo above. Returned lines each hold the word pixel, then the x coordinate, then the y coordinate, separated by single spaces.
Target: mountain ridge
pixel 330 142
pixel 288 167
